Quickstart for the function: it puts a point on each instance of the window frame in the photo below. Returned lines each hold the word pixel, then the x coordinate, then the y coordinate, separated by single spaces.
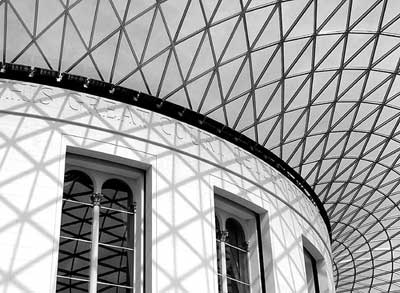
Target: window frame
pixel 313 269
pixel 254 222
pixel 318 266
pixel 101 168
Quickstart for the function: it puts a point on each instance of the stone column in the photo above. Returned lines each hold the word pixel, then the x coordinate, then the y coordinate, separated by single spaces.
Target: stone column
pixel 94 252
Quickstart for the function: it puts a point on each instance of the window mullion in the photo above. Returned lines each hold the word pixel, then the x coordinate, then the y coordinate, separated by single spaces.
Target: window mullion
pixel 94 252
pixel 224 236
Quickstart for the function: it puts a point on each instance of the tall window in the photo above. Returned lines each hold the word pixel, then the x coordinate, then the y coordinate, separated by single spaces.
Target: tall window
pixel 232 252
pixel 97 237
pixel 311 272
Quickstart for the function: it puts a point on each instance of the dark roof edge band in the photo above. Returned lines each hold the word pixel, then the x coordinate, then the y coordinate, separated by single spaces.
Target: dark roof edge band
pixel 145 101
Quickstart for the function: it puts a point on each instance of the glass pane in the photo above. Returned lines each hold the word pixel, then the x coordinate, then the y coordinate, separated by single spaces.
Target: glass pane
pixel 115 266
pixel 77 186
pixel 76 220
pixel 116 195
pixel 236 287
pixel 74 259
pixel 67 286
pixel 236 264
pixel 116 228
pixel 235 233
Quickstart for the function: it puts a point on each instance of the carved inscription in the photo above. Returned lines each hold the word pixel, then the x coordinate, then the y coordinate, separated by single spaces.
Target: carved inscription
pixel 127 118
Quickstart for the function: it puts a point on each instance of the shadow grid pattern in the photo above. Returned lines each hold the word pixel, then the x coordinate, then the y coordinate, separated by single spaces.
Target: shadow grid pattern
pixel 314 81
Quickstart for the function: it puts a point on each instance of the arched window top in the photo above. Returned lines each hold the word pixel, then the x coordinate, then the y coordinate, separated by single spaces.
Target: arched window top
pixel 117 195
pixel 236 235
pixel 217 225
pixel 78 186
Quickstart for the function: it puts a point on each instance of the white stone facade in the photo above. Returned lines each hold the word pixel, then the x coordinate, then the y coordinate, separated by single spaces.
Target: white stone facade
pixel 184 167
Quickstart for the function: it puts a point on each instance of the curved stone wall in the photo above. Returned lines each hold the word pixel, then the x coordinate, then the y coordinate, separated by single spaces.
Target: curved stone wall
pixel 185 168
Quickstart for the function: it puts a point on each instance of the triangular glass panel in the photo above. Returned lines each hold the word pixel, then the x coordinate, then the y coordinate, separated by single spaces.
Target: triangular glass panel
pixel 33 57
pixel 292 52
pixel 180 98
pixel 196 89
pixel 294 123
pixel 255 20
pixel 274 70
pixel 297 91
pixel 138 31
pixel 366 117
pixel 158 39
pixel 259 59
pixel 15 45
pixel 212 97
pixel 220 34
pixel 172 78
pixel 265 129
pixel 126 61
pixel 319 118
pixel 354 43
pixel 290 12
pixel 173 11
pixel 218 115
pixel 237 45
pixel 104 29
pixel 269 100
pixel 247 117
pixel 83 16
pixel 343 117
pixel 204 60
pixel 26 12
pixel 237 107
pixel 327 45
pixel 242 83
pixel 136 82
pixel 337 21
pixel 193 20
pixel 228 73
pixel 250 133
pixel 138 8
pixel 371 20
pixel 74 48
pixel 45 18
pixel 270 34
pixel 227 9
pixel 304 25
pixel 105 65
pixel 153 71
pixel 50 48
pixel 186 51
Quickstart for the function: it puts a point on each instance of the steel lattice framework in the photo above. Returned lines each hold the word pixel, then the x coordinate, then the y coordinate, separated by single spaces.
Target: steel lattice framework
pixel 314 81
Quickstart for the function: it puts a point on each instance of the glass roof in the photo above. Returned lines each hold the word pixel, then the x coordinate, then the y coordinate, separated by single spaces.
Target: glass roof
pixel 314 81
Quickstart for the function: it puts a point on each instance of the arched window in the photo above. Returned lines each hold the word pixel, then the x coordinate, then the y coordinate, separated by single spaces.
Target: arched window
pixel 236 258
pixel 97 236
pixel 116 235
pixel 74 251
pixel 232 257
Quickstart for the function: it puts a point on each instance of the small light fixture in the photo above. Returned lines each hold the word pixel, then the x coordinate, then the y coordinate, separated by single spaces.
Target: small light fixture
pixel 60 77
pixel 159 105
pixel 32 72
pixel 180 113
pixel 86 84
pixel 112 90
pixel 3 68
pixel 136 98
